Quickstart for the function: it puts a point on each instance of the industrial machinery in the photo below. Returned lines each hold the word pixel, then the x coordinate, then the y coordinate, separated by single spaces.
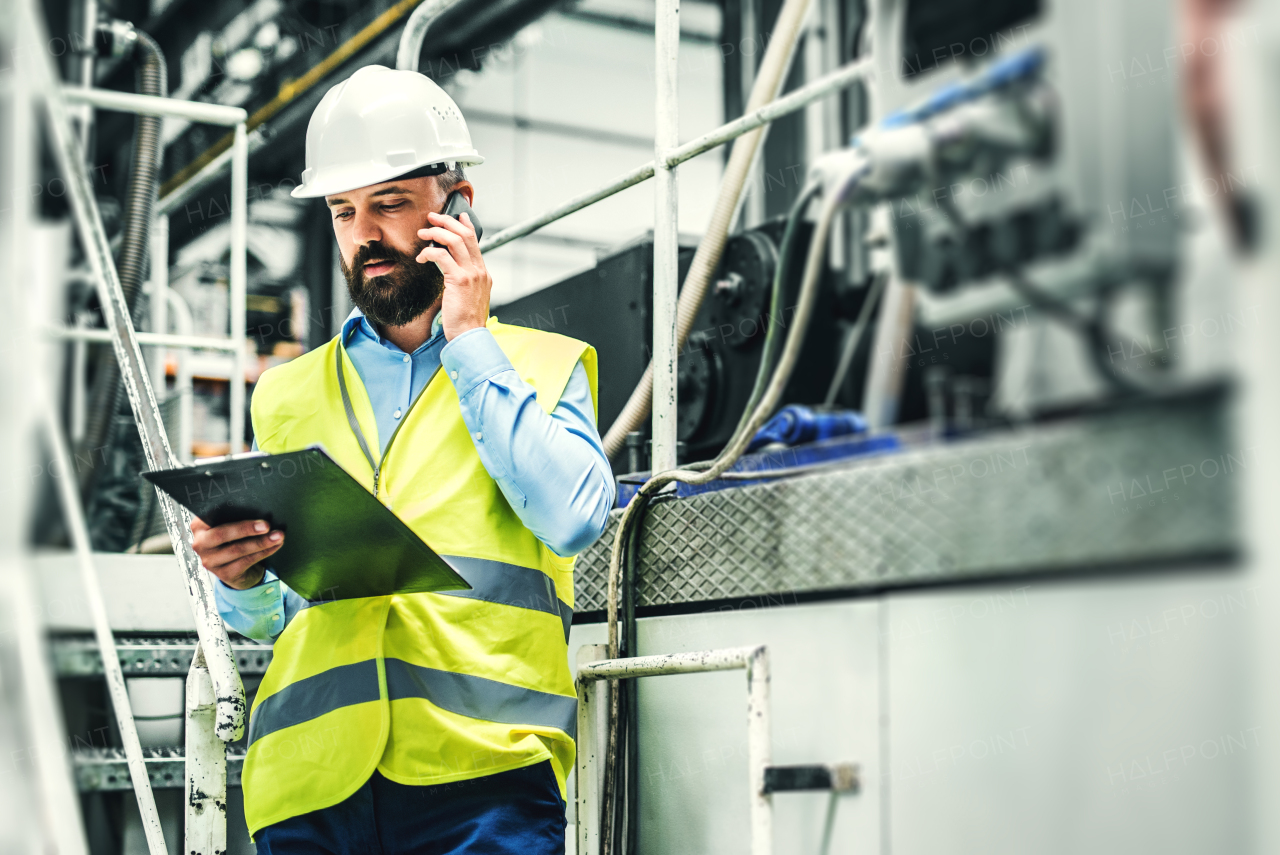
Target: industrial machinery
pixel 1016 603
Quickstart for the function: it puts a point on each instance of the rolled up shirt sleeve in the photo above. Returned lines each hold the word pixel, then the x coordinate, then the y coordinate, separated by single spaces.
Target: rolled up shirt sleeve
pixel 261 612
pixel 550 467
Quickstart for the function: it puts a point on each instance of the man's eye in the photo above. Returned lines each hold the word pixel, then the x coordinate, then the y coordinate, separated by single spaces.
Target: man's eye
pixel 343 215
pixel 393 206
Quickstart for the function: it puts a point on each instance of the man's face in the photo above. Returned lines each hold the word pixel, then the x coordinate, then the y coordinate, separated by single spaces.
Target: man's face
pixel 376 228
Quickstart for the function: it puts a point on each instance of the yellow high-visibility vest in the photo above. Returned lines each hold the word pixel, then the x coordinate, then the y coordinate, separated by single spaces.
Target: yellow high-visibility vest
pixel 424 688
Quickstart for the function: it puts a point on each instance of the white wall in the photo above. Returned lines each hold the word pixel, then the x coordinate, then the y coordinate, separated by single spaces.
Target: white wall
pixel 1054 716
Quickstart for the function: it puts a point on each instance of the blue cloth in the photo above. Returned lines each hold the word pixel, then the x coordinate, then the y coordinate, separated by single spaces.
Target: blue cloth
pixel 795 424
pixel 518 812
pixel 550 467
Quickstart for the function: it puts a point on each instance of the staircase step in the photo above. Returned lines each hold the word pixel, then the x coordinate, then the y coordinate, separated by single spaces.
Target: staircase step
pixel 154 656
pixel 105 769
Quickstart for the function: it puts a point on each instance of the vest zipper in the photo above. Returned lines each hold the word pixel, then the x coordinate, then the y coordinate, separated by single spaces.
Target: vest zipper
pixel 355 424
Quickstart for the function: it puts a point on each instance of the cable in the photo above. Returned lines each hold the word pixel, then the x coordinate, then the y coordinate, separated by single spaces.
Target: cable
pixel 769 80
pixel 835 199
pixel 1092 327
pixel 855 338
pixel 778 299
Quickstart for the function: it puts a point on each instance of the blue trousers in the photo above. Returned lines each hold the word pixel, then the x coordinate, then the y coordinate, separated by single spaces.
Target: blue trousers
pixel 519 811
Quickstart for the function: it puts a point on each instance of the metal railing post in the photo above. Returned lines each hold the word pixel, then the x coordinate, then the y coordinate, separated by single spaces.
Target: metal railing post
pixel 754 660
pixel 237 323
pixel 205 784
pixel 159 298
pixel 587 783
pixel 666 275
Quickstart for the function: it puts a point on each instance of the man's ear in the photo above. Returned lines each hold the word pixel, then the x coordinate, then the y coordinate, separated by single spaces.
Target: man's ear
pixel 467 190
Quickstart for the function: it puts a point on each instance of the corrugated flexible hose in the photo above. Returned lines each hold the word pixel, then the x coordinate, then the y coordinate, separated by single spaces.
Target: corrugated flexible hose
pixel 107 394
pixel 769 80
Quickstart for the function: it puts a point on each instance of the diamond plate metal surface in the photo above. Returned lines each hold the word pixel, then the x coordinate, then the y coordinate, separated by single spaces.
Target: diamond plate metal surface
pixel 1153 483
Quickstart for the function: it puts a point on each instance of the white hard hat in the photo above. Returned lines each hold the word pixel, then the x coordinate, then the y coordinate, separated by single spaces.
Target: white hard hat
pixel 379 124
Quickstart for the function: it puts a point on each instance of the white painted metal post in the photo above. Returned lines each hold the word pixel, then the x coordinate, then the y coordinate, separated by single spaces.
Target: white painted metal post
pixel 239 231
pixel 666 271
pixel 159 299
pixel 206 767
pixel 182 380
pixel 759 740
pixel 32 716
pixel 587 784
pixel 88 27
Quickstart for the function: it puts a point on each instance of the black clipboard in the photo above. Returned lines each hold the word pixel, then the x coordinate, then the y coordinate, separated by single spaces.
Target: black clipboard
pixel 340 542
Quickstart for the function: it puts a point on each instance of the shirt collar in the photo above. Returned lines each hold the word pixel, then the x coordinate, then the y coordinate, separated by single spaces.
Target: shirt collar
pixel 357 323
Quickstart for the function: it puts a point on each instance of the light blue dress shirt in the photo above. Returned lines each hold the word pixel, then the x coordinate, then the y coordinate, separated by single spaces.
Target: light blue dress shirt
pixel 551 467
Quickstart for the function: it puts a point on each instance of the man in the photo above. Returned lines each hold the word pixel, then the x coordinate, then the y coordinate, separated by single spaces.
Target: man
pixel 422 722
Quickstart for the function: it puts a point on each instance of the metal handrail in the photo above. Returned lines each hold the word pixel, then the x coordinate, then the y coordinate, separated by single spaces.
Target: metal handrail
pixel 213 636
pixel 753 660
pixel 227 722
pixel 841 78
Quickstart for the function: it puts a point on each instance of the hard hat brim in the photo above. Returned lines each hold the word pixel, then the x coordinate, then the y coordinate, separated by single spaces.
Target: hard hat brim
pixel 353 178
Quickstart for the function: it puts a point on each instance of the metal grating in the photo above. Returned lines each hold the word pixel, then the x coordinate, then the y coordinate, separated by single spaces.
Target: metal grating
pixel 75 656
pixel 105 769
pixel 1156 482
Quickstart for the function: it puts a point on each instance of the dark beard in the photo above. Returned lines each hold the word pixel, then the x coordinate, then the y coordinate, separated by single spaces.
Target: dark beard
pixel 397 297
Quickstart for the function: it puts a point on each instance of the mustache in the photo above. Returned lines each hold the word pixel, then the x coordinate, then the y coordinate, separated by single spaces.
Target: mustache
pixel 381 252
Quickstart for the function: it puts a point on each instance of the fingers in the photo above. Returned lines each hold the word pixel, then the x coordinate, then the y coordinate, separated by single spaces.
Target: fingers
pixel 455 243
pixel 215 558
pixel 454 233
pixel 209 538
pixel 453 224
pixel 443 259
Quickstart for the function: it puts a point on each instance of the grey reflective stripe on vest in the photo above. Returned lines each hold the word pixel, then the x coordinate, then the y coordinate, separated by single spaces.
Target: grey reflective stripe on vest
pixel 509 585
pixel 315 696
pixel 477 697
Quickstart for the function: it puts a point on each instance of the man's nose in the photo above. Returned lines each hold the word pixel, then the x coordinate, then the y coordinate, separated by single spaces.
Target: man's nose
pixel 365 231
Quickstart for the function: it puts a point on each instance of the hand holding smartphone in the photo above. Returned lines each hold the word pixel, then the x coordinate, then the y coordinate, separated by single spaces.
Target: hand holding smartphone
pixel 455 206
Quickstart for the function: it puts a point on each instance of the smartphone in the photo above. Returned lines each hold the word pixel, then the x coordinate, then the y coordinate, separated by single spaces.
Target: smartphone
pixel 455 206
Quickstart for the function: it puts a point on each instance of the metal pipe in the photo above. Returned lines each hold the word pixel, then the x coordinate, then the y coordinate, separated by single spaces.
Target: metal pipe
pixel 155 444
pixel 727 659
pixel 146 339
pixel 842 78
pixel 210 173
pixel 79 362
pixel 239 319
pixel 159 296
pixel 88 25
pixel 666 267
pixel 846 76
pixel 754 660
pixel 415 31
pixel 152 105
pixel 107 394
pixel 182 382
